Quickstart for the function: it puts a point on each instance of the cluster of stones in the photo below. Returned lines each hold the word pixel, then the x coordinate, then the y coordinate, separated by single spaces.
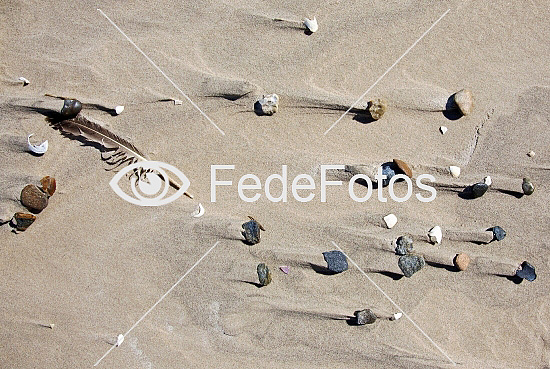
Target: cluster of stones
pixel 35 199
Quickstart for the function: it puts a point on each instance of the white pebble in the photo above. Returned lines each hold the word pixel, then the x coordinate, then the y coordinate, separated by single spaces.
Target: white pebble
pixel 443 130
pixel 455 171
pixel 311 24
pixel 390 220
pixel 178 102
pixel 119 109
pixel 487 180
pixel 199 211
pixel 24 80
pixel 396 316
pixel 531 153
pixel 119 340
pixel 435 235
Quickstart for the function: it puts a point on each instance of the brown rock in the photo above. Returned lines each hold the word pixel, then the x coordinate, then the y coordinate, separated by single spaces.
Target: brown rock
pixel 462 261
pixel 404 167
pixel 48 185
pixel 23 220
pixel 377 108
pixel 33 198
pixel 464 100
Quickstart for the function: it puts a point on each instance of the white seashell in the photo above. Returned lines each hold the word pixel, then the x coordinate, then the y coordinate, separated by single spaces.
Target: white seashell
pixel 390 220
pixel 178 102
pixel 311 24
pixel 396 316
pixel 443 130
pixel 455 171
pixel 119 109
pixel 487 180
pixel 435 235
pixel 37 149
pixel 119 340
pixel 24 80
pixel 199 211
pixel 531 153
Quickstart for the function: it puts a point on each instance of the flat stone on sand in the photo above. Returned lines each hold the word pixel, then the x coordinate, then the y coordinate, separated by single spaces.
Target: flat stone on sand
pixel 365 316
pixel 526 271
pixel 23 220
pixel 410 264
pixel 336 261
pixel 33 198
pixel 464 100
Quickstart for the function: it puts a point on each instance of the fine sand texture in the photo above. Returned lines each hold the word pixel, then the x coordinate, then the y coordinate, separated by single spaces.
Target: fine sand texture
pixel 93 264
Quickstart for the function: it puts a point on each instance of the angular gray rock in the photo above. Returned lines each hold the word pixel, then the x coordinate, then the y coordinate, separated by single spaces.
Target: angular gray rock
pixel 336 261
pixel 410 264
pixel 404 245
pixel 365 316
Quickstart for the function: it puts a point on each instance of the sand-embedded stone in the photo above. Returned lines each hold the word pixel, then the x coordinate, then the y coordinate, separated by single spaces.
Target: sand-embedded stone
pixel 48 185
pixel 33 198
pixel 462 261
pixel 464 100
pixel 71 108
pixel 498 233
pixel 527 186
pixel 410 264
pixel 388 169
pixel 404 245
pixel 526 271
pixel 403 167
pixel 479 189
pixel 264 274
pixel 390 220
pixel 251 232
pixel 377 108
pixel 366 316
pixel 23 220
pixel 267 105
pixel 336 261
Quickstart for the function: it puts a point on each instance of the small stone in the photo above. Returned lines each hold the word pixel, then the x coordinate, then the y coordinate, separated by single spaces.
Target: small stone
pixel 526 271
pixel 388 169
pixel 264 275
pixel 23 220
pixel 390 220
pixel 403 167
pixel 479 189
pixel 396 316
pixel 435 235
pixel 178 102
pixel 336 261
pixel 443 130
pixel 48 185
pixel 488 181
pixel 71 108
pixel 464 100
pixel 404 245
pixel 410 264
pixel 366 316
pixel 33 198
pixel 267 105
pixel 251 232
pixel 377 108
pixel 462 261
pixel 119 109
pixel 455 171
pixel 531 154
pixel 498 233
pixel 285 269
pixel 527 186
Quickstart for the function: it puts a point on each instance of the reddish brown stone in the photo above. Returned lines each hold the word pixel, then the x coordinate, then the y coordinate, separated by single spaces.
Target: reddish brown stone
pixel 462 261
pixel 23 220
pixel 48 185
pixel 404 167
pixel 33 198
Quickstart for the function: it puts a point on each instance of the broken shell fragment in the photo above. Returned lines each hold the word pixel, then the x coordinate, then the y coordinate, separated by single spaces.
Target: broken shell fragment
pixel 455 171
pixel 119 109
pixel 119 340
pixel 435 235
pixel 178 102
pixel 285 269
pixel 71 108
pixel 23 220
pixel 396 316
pixel 390 220
pixel 199 211
pixel 404 167
pixel 377 108
pixel 267 105
pixel 48 185
pixel 443 130
pixel 24 80
pixel 311 24
pixel 464 101
pixel 37 149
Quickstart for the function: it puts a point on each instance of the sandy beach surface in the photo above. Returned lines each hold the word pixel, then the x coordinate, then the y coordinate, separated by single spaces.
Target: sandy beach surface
pixel 93 264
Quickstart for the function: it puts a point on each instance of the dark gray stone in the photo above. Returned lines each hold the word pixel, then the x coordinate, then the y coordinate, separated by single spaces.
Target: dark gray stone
pixel 498 233
pixel 410 264
pixel 527 186
pixel 365 316
pixel 389 169
pixel 527 271
pixel 479 189
pixel 336 261
pixel 404 245
pixel 251 232
pixel 71 108
pixel 264 275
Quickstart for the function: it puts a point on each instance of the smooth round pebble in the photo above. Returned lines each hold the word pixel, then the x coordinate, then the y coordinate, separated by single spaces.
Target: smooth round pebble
pixel 527 186
pixel 33 198
pixel 462 261
pixel 479 189
pixel 71 108
pixel 464 100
